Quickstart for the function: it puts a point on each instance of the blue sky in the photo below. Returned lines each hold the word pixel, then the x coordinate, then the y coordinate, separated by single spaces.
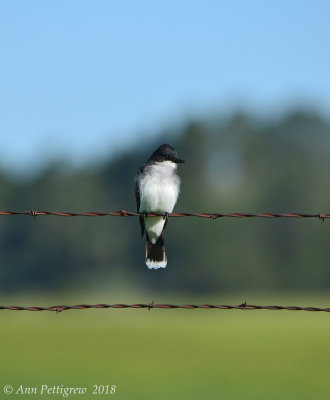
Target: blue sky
pixel 80 79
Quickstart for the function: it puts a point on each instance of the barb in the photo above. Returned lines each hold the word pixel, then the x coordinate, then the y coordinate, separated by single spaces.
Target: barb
pixel 124 213
pixel 244 306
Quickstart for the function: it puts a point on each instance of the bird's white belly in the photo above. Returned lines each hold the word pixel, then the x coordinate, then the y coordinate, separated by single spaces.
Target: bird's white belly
pixel 154 227
pixel 159 191
pixel 158 196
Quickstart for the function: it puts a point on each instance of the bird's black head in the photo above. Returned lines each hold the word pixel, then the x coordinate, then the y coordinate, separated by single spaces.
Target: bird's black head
pixel 165 153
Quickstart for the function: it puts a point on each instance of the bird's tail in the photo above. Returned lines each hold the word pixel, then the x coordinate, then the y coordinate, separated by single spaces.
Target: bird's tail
pixel 155 253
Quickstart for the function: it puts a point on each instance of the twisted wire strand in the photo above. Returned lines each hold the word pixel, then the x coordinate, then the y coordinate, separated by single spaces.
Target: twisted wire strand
pixel 124 213
pixel 152 305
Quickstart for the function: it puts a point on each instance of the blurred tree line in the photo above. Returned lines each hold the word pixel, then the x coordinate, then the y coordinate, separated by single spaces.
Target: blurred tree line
pixel 236 163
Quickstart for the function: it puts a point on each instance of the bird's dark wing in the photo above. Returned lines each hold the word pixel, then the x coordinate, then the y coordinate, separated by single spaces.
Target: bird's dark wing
pixel 137 196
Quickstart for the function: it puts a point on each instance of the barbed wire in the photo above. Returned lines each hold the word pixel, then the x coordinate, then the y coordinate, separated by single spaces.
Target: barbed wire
pixel 244 306
pixel 124 213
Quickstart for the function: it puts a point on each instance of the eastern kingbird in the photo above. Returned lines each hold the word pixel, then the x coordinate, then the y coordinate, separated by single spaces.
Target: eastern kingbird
pixel 156 190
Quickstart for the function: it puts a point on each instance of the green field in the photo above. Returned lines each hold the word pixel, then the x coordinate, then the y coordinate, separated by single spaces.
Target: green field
pixel 170 354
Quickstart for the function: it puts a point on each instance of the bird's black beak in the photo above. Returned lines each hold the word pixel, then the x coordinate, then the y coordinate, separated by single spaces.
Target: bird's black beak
pixel 178 160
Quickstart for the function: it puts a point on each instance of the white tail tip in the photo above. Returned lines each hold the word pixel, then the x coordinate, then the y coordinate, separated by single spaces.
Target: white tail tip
pixel 156 264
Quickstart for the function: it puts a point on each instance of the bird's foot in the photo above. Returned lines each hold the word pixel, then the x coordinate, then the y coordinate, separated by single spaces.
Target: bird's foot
pixel 143 215
pixel 165 216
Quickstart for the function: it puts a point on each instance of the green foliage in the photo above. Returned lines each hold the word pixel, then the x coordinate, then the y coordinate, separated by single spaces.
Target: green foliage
pixel 240 163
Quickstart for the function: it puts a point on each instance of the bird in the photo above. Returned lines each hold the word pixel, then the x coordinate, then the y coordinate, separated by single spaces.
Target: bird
pixel 157 187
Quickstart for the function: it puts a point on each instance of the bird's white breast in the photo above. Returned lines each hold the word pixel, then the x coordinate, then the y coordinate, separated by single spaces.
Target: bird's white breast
pixel 159 188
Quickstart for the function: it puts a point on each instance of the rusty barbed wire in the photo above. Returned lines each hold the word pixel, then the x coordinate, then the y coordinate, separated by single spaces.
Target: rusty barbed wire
pixel 124 213
pixel 152 305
